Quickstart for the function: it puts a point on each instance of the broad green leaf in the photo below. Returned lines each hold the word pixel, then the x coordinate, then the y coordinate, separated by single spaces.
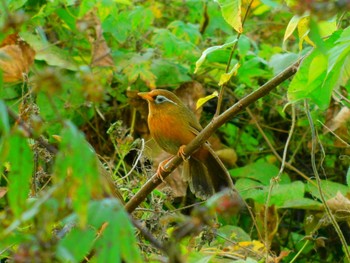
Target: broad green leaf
pixel 85 6
pixel 13 5
pixel 330 189
pixel 76 167
pixel 171 45
pixel 51 54
pixel 229 231
pixel 161 69
pixel 231 11
pixel 202 101
pixel 260 171
pixel 76 245
pixel 280 195
pixel 303 203
pixel 322 71
pixel 141 19
pixel 4 119
pixel 185 31
pixel 280 62
pixel 251 69
pixel 33 210
pixel 326 28
pixel 20 159
pixel 117 240
pixel 224 78
pixel 317 68
pixel 139 66
pixel 348 176
pixel 210 50
pixel 118 26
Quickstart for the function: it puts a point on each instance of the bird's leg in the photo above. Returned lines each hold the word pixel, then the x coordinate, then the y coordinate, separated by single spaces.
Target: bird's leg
pixel 182 154
pixel 161 168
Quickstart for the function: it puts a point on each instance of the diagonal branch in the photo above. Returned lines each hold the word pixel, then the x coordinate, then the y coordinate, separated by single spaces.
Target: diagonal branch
pixel 217 122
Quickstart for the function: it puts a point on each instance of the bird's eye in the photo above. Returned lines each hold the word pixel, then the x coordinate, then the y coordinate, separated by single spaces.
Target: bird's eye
pixel 161 99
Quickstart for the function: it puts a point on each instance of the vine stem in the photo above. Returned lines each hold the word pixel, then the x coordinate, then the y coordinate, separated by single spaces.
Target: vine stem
pixel 318 180
pixel 275 180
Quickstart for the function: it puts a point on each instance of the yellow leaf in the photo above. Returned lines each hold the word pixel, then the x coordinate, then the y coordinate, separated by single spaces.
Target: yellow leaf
pixel 227 76
pixel 292 25
pixel 303 31
pixel 202 101
pixel 231 12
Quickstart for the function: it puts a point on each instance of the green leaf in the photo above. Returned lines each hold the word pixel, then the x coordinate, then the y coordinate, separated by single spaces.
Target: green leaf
pixel 231 11
pixel 76 166
pixel 76 245
pixel 85 6
pixel 348 177
pixel 280 62
pixel 292 25
pixel 118 26
pixel 117 240
pixel 15 4
pixel 141 19
pixel 280 196
pixel 321 72
pixel 4 119
pixel 171 45
pixel 51 54
pixel 303 203
pixel 330 189
pixel 210 50
pixel 185 31
pixel 20 159
pixel 161 69
pixel 139 66
pixel 260 171
pixel 33 210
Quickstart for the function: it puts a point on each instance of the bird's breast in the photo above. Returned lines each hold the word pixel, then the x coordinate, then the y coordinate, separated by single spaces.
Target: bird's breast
pixel 170 131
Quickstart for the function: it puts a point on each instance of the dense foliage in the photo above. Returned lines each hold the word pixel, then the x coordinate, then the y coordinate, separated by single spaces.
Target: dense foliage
pixel 74 141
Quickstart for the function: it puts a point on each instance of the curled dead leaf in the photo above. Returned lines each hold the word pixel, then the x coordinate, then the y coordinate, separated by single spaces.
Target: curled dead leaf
pixel 16 57
pixel 340 205
pixel 100 53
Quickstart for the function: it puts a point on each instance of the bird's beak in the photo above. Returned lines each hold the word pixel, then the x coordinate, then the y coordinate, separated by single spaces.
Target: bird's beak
pixel 145 96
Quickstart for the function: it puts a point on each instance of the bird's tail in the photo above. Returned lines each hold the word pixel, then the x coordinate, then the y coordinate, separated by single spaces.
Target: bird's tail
pixel 206 174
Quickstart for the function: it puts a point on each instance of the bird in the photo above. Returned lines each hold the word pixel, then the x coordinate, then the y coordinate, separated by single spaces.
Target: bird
pixel 173 125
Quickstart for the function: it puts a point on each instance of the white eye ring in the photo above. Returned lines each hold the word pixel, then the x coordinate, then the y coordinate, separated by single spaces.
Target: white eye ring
pixel 161 99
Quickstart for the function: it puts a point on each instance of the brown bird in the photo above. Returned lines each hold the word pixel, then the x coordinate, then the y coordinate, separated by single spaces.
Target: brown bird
pixel 173 125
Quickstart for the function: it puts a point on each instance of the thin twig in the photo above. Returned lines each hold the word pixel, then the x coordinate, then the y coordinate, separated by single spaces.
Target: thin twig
pixel 222 90
pixel 147 235
pixel 52 149
pixel 136 161
pixel 337 136
pixel 318 180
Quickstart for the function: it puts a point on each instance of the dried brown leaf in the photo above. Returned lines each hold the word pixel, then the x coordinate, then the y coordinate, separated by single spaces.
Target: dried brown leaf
pixel 100 53
pixel 3 191
pixel 16 57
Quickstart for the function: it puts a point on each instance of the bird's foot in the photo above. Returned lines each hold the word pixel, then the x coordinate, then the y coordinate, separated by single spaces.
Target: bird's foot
pixel 182 154
pixel 161 168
